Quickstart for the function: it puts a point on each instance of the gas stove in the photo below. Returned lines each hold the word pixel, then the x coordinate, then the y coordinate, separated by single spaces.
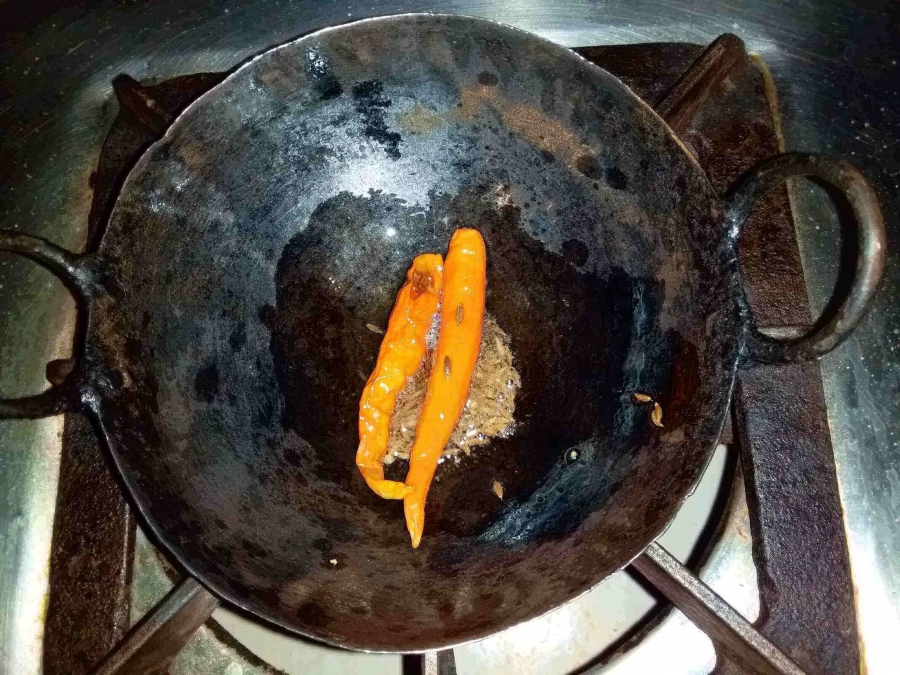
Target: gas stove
pixel 744 531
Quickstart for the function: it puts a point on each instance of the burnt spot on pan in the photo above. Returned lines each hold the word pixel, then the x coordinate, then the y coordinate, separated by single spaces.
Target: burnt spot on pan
pixel 372 105
pixel 292 457
pixel 589 166
pixel 616 179
pixel 206 383
pixel 487 79
pixel 253 549
pixel 329 88
pixel 576 252
pixel 313 613
pixel 266 414
pixel 238 338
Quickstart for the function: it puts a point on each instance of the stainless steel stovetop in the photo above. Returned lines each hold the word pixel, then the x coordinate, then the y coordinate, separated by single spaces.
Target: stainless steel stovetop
pixel 836 70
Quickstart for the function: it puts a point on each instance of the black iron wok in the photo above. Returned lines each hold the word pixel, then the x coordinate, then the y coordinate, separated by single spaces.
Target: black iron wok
pixel 224 343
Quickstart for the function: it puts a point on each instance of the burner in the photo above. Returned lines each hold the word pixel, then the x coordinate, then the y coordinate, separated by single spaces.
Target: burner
pixel 722 104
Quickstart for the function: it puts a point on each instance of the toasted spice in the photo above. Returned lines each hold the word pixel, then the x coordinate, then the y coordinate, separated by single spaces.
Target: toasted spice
pixel 490 408
pixel 497 489
pixel 656 415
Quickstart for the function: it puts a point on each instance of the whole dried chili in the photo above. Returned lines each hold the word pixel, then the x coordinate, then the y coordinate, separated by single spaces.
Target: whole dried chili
pixel 462 315
pixel 399 357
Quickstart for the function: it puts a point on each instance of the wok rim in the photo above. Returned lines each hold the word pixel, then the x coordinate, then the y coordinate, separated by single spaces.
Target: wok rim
pixel 93 405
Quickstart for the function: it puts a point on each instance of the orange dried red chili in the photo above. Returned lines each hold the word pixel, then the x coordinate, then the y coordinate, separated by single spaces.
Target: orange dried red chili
pixel 399 357
pixel 462 316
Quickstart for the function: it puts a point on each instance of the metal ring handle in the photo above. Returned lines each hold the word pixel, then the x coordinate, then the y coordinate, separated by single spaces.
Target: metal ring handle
pixel 78 278
pixel 871 244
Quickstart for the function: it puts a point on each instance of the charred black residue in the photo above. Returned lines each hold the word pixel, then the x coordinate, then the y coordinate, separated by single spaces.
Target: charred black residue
pixel 487 79
pixel 206 383
pixel 329 88
pixel 318 67
pixel 576 252
pixel 266 414
pixel 589 166
pixel 313 614
pixel 238 338
pixel 293 457
pixel 266 315
pixel 616 179
pixel 371 104
pixel 253 549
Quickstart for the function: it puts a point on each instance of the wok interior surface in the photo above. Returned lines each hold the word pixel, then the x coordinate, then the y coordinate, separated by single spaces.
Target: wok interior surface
pixel 251 246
